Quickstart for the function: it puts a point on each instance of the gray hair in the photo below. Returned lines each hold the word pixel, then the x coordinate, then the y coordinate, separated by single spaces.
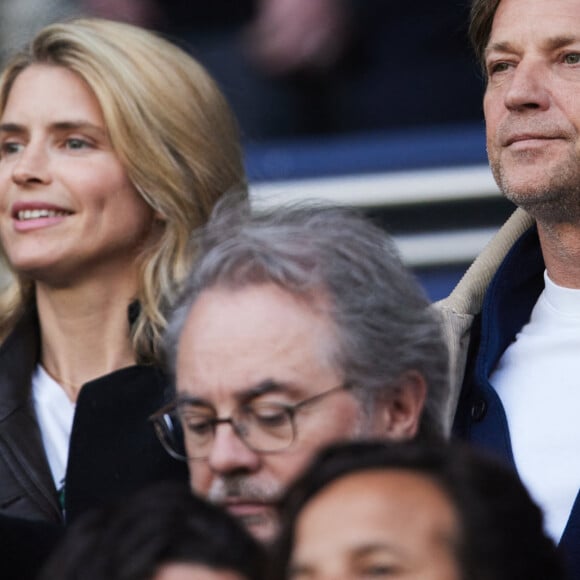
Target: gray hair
pixel 385 325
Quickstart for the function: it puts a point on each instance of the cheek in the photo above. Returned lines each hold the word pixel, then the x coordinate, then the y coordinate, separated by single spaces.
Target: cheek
pixel 285 467
pixel 5 175
pixel 5 180
pixel 200 477
pixel 282 469
pixel 492 110
pixel 101 184
pixel 340 422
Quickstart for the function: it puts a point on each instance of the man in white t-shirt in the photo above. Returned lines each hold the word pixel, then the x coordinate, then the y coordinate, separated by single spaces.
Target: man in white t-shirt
pixel 513 322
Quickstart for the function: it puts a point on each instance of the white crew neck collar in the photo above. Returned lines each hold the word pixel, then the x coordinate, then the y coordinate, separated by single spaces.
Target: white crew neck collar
pixel 563 300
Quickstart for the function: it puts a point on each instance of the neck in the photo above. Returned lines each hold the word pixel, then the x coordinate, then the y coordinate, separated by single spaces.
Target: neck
pixel 84 332
pixel 561 250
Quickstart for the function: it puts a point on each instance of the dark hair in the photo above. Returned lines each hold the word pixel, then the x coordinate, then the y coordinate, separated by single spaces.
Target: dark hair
pixel 501 534
pixel 480 23
pixel 384 323
pixel 164 523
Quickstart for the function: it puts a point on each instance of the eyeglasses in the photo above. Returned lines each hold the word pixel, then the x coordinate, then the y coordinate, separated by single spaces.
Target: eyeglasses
pixel 187 429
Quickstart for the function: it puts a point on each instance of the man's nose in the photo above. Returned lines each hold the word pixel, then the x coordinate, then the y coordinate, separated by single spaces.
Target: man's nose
pixel 229 454
pixel 528 87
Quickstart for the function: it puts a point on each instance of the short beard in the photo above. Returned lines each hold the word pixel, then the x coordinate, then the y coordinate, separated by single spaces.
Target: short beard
pixel 554 201
pixel 263 526
pixel 243 486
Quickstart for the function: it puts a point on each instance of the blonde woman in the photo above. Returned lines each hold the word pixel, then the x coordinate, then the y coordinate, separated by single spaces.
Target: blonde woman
pixel 114 145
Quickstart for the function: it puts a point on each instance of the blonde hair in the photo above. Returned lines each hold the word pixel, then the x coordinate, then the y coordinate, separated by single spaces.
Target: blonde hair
pixel 172 129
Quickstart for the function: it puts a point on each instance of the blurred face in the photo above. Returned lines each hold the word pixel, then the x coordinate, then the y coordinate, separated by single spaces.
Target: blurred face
pixel 376 524
pixel 194 572
pixel 67 207
pixel 257 345
pixel 532 108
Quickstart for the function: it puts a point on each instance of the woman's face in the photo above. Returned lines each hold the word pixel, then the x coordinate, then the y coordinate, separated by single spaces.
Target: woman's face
pixel 376 524
pixel 67 207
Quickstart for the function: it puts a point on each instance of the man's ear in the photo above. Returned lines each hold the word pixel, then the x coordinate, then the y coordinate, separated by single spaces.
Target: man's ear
pixel 401 410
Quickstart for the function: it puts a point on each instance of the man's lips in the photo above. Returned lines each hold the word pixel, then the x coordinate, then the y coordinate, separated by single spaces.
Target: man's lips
pixel 528 138
pixel 245 507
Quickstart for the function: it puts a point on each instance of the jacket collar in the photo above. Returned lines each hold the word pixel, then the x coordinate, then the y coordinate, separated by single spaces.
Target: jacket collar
pixel 18 356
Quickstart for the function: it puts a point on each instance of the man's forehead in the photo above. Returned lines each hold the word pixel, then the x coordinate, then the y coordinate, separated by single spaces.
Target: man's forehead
pixel 236 340
pixel 554 23
pixel 250 305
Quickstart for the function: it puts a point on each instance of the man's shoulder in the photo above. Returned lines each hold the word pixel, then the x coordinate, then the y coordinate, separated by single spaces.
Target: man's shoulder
pixel 460 308
pixel 467 297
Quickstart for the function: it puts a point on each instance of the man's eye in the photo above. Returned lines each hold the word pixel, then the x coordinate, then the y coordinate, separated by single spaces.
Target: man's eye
pixel 269 417
pixel 198 427
pixel 572 58
pixel 497 67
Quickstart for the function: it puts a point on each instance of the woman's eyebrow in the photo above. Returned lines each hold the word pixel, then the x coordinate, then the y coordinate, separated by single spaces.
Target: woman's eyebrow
pixel 16 128
pixel 12 128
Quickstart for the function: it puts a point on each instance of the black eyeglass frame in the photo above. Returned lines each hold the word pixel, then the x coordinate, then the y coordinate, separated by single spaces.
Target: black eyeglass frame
pixel 166 434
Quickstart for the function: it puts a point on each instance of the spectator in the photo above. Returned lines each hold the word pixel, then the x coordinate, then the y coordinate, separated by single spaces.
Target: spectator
pixel 161 533
pixel 513 321
pixel 295 329
pixel 115 144
pixel 411 510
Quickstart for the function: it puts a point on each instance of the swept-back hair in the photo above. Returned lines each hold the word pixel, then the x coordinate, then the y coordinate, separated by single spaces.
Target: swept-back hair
pixel 480 23
pixel 384 324
pixel 172 129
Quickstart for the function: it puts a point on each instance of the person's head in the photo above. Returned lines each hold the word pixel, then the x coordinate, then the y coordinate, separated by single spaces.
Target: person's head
pixel 529 50
pixel 171 138
pixel 411 510
pixel 304 326
pixel 161 533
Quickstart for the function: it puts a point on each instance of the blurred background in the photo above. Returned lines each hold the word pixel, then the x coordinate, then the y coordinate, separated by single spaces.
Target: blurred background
pixel 371 103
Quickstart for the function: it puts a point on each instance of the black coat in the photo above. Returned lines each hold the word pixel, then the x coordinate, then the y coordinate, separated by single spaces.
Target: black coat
pixel 113 448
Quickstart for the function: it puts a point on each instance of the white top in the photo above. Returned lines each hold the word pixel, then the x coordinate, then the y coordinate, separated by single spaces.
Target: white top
pixel 55 412
pixel 538 381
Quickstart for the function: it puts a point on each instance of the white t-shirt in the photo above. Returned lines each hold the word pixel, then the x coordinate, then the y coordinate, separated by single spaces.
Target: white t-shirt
pixel 538 382
pixel 55 412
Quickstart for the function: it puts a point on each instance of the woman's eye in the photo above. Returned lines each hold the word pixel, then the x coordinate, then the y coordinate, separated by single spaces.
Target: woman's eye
pixel 10 147
pixel 76 143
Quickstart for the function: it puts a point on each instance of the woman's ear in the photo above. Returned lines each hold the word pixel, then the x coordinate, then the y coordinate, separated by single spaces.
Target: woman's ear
pixel 402 409
pixel 159 218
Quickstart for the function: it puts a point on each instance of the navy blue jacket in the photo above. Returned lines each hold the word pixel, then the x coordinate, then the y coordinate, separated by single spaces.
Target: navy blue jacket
pixel 480 417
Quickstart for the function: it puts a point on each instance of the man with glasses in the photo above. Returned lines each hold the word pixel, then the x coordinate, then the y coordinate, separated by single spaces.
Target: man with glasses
pixel 295 329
